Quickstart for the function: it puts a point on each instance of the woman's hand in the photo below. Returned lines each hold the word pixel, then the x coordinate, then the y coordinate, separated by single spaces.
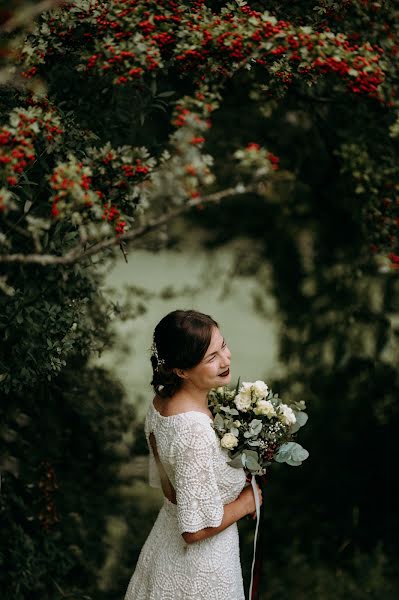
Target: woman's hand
pixel 248 499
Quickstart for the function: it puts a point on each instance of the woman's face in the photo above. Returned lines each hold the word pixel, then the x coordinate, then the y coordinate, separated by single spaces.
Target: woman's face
pixel 216 361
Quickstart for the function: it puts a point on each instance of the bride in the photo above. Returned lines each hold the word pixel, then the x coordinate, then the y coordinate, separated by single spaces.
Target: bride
pixel 192 551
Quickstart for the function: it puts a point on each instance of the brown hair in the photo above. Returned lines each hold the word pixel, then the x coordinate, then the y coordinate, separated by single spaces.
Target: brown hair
pixel 181 338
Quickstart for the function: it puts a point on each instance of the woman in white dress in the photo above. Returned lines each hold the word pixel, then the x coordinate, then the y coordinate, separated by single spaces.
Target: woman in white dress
pixel 192 551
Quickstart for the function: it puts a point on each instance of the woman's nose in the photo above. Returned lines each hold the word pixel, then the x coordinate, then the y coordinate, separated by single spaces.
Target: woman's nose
pixel 227 353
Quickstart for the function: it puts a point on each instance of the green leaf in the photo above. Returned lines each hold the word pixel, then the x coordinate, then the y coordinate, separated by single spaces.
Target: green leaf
pixel 218 422
pixel 291 453
pixel 236 462
pixel 251 460
pixel 301 418
pixel 237 386
pixel 165 94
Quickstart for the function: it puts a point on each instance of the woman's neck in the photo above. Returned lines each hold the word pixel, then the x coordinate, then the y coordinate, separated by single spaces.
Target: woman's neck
pixel 190 396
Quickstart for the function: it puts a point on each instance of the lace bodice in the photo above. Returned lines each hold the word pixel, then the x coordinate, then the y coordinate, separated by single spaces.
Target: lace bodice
pixel 196 467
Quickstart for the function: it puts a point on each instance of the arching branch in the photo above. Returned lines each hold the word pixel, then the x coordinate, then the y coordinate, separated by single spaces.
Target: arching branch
pixel 78 253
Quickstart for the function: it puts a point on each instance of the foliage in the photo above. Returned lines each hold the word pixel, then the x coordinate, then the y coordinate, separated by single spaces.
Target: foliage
pixel 136 45
pixel 116 118
pixel 59 481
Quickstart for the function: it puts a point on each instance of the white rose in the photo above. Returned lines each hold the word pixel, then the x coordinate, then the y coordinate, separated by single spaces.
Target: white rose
pixel 286 414
pixel 229 441
pixel 260 388
pixel 245 387
pixel 237 423
pixel 264 407
pixel 243 401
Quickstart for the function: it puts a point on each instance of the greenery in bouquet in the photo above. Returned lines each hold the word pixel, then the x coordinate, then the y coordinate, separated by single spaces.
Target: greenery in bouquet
pixel 256 427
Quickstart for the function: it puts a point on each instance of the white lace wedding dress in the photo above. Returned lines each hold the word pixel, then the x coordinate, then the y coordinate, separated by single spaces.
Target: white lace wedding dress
pixel 168 568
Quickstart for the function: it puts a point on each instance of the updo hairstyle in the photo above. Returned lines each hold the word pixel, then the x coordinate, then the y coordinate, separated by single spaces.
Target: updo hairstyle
pixel 181 340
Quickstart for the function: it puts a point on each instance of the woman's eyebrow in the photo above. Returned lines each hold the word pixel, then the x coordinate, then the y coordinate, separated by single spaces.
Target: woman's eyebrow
pixel 212 353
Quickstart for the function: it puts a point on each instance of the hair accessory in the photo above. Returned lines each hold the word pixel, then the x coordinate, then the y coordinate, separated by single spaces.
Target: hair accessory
pixel 154 351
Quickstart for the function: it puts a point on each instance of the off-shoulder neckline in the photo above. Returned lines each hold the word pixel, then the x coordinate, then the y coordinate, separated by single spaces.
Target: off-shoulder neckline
pixel 197 412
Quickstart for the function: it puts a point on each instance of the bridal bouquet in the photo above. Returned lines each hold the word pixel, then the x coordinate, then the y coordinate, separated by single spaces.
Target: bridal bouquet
pixel 256 427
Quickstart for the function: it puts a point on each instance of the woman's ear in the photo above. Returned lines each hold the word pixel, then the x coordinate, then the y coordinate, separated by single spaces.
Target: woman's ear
pixel 180 373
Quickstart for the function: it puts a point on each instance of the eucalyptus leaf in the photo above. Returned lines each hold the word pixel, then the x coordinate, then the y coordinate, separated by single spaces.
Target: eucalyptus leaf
pixel 218 422
pixel 252 453
pixel 251 460
pixel 301 418
pixel 256 427
pixel 291 453
pixel 236 462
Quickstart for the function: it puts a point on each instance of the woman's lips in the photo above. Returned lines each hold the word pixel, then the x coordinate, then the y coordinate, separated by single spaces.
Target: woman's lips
pixel 225 373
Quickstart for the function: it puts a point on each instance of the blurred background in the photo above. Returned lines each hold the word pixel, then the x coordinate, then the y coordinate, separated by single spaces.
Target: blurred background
pixel 298 278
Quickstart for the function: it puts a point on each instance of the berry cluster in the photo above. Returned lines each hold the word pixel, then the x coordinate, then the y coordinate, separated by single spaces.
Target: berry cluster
pixel 130 40
pixel 100 187
pixel 18 140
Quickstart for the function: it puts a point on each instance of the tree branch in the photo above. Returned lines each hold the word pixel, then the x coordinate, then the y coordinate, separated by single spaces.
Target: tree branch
pixel 76 254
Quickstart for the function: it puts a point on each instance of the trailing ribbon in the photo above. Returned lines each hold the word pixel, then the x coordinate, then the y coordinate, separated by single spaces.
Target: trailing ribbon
pixel 256 494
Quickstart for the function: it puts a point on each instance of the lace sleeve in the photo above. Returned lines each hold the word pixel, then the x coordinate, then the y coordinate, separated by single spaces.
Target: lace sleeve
pixel 199 504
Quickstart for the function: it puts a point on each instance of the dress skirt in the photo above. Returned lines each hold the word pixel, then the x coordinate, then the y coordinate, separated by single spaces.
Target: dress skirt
pixel 170 569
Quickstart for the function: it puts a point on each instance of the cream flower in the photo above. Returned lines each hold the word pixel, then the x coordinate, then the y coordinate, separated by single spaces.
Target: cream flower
pixel 229 441
pixel 264 407
pixel 286 414
pixel 243 401
pixel 246 387
pixel 260 388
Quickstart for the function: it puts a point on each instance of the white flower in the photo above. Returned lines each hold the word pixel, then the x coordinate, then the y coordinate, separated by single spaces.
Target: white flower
pixel 245 387
pixel 264 407
pixel 229 441
pixel 260 388
pixel 243 401
pixel 237 423
pixel 286 414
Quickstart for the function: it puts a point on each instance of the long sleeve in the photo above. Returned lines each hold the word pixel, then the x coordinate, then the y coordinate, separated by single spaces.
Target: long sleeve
pixel 199 503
